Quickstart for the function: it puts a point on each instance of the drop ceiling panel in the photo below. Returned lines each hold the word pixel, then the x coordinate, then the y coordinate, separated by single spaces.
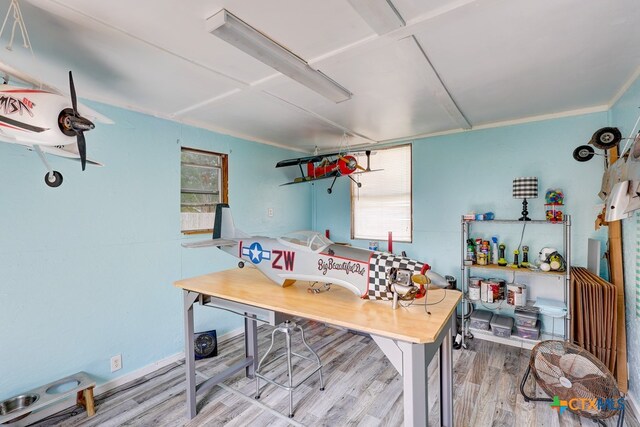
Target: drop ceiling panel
pixel 168 25
pixel 261 117
pixel 503 60
pixel 392 97
pixel 113 67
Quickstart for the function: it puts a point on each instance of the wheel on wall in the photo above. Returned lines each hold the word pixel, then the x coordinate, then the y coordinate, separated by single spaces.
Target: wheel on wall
pixel 606 138
pixel 53 180
pixel 583 153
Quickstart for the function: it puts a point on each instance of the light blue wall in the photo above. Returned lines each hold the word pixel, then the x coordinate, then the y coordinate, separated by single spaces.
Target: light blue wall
pixel 624 115
pixel 473 171
pixel 86 269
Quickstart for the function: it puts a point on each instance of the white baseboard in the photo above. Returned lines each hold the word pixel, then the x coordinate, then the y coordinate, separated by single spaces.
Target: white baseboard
pixel 116 382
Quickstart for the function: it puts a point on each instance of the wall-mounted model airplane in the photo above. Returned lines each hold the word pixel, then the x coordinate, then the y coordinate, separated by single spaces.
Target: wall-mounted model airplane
pixel 325 166
pixel 310 256
pixel 45 120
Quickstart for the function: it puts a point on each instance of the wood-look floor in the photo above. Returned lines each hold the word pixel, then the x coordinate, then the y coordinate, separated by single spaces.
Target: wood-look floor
pixel 362 389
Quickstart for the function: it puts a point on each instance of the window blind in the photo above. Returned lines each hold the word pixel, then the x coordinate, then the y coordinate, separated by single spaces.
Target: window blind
pixel 383 202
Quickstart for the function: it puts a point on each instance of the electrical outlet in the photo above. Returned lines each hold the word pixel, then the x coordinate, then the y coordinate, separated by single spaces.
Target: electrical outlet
pixel 270 212
pixel 116 363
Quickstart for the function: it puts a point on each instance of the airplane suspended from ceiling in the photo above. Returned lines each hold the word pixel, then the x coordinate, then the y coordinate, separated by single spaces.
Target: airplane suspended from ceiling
pixel 45 120
pixel 324 166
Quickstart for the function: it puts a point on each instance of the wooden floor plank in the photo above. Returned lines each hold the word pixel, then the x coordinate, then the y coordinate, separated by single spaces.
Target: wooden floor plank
pixel 362 389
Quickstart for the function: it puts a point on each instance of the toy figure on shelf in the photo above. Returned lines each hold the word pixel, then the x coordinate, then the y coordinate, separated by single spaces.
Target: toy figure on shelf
pixel 525 257
pixel 551 260
pixel 502 260
pixel 515 259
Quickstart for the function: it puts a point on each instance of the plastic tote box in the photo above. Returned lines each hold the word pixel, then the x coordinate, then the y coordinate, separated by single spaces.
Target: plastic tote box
pixel 501 326
pixel 480 319
pixel 526 318
pixel 530 333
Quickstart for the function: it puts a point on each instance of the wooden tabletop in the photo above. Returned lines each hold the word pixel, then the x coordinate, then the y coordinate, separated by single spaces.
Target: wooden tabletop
pixel 338 306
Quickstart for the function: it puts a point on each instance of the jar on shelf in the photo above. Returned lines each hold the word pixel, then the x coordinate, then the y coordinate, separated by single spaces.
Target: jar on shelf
pixel 554 212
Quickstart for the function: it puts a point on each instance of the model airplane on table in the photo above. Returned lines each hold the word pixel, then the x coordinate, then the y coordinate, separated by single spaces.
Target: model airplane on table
pixel 310 256
pixel 45 120
pixel 326 166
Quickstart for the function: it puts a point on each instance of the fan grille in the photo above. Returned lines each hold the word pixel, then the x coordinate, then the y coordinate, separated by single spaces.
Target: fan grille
pixel 569 372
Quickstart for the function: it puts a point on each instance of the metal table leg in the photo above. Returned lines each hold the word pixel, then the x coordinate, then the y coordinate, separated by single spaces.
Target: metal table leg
pixel 251 344
pixel 189 354
pixel 415 382
pixel 446 376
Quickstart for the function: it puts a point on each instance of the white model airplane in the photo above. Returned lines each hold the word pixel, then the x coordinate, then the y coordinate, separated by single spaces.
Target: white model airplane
pixel 310 256
pixel 45 120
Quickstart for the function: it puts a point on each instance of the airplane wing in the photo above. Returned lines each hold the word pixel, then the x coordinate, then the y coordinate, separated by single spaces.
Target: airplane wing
pixel 304 160
pixel 310 179
pixel 327 176
pixel 69 151
pixel 210 242
pixel 8 72
pixel 93 115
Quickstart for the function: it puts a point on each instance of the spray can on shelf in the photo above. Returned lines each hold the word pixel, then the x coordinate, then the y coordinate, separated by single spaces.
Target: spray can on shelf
pixel 494 250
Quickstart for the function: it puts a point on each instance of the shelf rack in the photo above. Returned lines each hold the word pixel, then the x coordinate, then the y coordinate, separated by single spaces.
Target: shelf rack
pixel 566 275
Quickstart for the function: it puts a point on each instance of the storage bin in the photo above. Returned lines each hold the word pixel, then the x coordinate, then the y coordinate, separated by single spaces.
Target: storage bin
pixel 526 318
pixel 480 319
pixel 530 333
pixel 501 326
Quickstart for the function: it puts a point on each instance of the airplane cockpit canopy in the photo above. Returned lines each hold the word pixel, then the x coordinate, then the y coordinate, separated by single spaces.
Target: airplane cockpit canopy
pixel 309 240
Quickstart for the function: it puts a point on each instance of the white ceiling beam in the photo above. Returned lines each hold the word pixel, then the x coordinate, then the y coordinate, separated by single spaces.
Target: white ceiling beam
pixel 440 90
pixel 380 15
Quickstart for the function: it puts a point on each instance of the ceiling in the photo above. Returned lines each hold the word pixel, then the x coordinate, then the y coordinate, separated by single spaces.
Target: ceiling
pixel 454 64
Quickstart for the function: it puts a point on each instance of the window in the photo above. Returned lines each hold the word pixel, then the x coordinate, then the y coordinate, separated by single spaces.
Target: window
pixel 203 184
pixel 383 202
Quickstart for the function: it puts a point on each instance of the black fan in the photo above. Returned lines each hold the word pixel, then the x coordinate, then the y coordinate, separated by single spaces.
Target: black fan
pixel 205 344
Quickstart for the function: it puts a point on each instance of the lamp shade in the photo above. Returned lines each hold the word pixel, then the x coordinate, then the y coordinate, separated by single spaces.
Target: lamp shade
pixel 525 187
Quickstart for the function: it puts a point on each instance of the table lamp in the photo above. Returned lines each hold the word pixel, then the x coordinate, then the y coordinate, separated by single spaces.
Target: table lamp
pixel 525 187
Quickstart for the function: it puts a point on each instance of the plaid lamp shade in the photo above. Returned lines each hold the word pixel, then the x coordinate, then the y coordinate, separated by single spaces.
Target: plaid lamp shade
pixel 525 187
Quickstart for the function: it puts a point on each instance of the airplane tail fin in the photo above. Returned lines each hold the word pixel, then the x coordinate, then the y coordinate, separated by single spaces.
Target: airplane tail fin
pixel 224 227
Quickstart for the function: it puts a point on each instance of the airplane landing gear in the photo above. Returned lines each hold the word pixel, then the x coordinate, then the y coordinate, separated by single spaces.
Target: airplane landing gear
pixel 53 179
pixel 241 264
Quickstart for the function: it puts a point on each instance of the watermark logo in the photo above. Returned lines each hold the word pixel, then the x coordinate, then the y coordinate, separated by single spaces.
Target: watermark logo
pixel 583 404
pixel 559 405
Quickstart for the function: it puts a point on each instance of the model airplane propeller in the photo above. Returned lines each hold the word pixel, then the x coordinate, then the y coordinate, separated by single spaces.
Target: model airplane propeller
pixel 325 166
pixel 42 119
pixel 310 256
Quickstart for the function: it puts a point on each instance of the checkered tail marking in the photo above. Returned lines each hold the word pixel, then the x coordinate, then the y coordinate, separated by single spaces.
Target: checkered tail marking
pixel 379 265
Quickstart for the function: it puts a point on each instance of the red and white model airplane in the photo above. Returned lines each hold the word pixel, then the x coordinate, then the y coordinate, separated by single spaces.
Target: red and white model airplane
pixel 323 166
pixel 310 256
pixel 45 120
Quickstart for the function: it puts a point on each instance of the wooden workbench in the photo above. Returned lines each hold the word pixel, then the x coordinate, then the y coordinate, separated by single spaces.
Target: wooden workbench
pixel 409 337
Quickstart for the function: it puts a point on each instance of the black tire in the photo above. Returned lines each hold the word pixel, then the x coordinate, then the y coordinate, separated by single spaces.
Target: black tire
pixel 606 138
pixel 329 190
pixel 241 264
pixel 54 181
pixel 359 184
pixel 583 153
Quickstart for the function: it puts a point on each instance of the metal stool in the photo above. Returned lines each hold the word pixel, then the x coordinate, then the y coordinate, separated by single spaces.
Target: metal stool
pixel 288 327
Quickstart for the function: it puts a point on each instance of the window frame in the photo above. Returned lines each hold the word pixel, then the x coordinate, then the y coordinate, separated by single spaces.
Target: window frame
pixel 224 187
pixel 352 185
